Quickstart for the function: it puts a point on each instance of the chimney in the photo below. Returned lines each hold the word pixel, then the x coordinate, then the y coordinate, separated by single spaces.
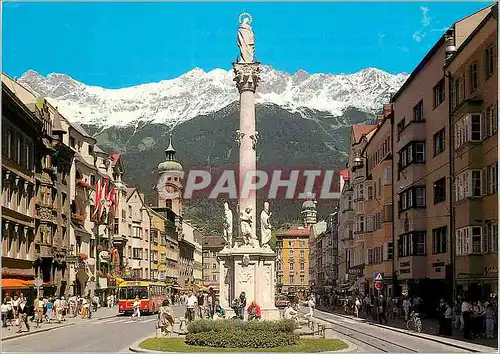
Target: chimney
pixel 450 50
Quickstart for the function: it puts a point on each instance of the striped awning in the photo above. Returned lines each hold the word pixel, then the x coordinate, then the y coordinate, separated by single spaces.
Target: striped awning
pixel 17 283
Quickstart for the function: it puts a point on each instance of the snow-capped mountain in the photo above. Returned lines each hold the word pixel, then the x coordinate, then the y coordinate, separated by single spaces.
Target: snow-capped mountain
pixel 200 93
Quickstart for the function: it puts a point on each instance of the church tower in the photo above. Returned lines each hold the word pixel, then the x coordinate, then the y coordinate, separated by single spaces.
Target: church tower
pixel 309 211
pixel 170 188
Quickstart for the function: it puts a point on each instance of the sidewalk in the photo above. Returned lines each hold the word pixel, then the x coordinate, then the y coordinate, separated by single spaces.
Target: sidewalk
pixel 430 329
pixel 101 314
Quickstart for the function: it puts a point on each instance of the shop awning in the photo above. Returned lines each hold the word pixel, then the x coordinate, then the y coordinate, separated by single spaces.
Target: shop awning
pixel 17 283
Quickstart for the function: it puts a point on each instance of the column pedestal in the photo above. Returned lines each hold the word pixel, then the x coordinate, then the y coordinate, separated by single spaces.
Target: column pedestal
pixel 250 270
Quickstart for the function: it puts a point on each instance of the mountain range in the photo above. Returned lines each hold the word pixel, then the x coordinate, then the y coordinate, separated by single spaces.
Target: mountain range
pixel 301 118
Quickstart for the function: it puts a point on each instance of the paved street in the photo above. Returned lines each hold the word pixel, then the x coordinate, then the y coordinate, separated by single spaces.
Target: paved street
pixel 96 335
pixel 372 338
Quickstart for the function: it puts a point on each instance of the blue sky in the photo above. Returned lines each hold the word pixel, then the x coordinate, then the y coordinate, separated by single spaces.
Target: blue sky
pixel 123 44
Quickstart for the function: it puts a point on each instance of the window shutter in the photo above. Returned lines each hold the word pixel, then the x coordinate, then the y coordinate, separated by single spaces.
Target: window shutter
pixel 484 181
pixel 410 242
pixel 386 251
pixel 366 256
pixel 486 238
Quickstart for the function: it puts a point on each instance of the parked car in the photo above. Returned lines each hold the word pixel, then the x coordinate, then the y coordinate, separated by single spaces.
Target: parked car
pixel 281 301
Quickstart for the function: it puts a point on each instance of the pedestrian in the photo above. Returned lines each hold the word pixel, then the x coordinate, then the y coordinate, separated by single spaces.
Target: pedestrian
pixel 165 318
pixel 85 308
pixel 39 309
pixel 448 319
pixel 23 315
pixel 59 309
pixel 311 304
pixel 467 315
pixel 49 307
pixel 5 307
pixel 490 321
pixel 254 312
pixel 459 319
pixel 358 306
pixel 137 308
pixel 441 309
pixel 406 308
pixel 242 304
pixel 382 310
pixel 191 304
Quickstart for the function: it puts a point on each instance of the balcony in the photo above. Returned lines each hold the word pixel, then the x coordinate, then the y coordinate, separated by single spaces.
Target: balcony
pixel 78 218
pixel 80 182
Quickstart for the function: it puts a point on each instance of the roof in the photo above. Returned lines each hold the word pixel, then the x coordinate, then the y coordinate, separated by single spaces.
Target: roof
pixel 427 57
pixel 494 8
pixel 114 159
pixel 345 174
pixel 296 232
pixel 169 165
pixel 360 130
pixel 80 129
pixel 24 94
pixel 130 191
pixel 213 242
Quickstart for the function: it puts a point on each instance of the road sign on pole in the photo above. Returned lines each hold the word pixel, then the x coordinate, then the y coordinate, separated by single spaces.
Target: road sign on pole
pixel 378 285
pixel 38 283
pixel 378 277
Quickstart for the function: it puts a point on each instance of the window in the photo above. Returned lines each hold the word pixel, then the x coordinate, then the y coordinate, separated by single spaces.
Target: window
pixel 492 179
pixel 468 184
pixel 491 238
pixel 401 127
pixel 387 180
pixel 137 253
pixel 360 224
pixel 439 93
pixel 413 197
pixel 468 129
pixel 473 77
pixel 370 257
pixel 302 265
pixel 414 152
pixel 440 190
pixel 439 240
pixel 412 244
pixel 292 279
pixel 469 240
pixel 302 279
pixel 130 211
pixel 370 193
pixel 214 266
pixel 489 55
pixel 302 254
pixel 439 143
pixel 490 121
pixel 291 266
pixel 418 112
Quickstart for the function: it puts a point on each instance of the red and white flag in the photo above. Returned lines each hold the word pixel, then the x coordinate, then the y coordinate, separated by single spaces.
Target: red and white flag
pixel 97 201
pixel 103 196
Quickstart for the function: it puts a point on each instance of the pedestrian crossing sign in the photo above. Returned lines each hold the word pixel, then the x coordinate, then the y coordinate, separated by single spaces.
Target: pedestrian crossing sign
pixel 379 277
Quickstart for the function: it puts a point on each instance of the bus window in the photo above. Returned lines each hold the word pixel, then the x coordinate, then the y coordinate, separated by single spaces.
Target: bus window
pixel 130 293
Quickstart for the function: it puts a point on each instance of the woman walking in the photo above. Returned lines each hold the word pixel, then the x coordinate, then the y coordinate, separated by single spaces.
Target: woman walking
pixel 165 318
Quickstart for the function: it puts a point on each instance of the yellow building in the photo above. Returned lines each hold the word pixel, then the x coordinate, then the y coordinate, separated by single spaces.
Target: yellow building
pixel 164 248
pixel 292 267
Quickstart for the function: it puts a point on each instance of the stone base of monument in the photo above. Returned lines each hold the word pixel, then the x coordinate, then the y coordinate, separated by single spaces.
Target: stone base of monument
pixel 250 270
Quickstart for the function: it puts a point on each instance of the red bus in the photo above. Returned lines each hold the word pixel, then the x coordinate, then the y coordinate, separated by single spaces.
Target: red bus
pixel 151 295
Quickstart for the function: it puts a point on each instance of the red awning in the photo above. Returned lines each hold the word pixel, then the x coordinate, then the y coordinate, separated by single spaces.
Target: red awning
pixel 16 283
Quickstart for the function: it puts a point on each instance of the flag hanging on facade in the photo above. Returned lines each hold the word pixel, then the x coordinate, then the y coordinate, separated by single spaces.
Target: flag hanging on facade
pixel 103 196
pixel 97 201
pixel 110 202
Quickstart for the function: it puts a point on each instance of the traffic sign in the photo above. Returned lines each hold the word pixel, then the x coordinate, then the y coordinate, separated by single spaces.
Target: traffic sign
pixel 38 282
pixel 378 277
pixel 378 285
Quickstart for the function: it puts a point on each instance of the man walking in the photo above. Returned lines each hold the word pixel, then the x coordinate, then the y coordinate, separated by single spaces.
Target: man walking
pixel 191 304
pixel 382 310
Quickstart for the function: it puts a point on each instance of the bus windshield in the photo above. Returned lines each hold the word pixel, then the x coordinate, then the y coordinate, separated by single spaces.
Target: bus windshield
pixel 131 292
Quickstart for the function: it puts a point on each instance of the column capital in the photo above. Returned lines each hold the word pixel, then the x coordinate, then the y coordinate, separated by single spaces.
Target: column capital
pixel 247 76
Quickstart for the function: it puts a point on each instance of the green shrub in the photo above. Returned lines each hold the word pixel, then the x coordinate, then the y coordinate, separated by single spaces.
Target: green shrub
pixel 241 338
pixel 200 326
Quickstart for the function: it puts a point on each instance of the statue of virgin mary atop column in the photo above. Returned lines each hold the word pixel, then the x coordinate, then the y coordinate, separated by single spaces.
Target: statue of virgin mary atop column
pixel 246 39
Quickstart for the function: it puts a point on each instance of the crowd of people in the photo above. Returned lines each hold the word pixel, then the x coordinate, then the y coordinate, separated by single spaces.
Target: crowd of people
pixel 475 319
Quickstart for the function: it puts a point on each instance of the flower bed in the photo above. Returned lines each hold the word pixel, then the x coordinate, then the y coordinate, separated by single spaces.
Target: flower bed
pixel 239 338
pixel 287 326
pixel 238 334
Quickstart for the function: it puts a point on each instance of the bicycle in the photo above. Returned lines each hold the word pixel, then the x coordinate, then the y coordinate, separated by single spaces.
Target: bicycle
pixel 414 323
